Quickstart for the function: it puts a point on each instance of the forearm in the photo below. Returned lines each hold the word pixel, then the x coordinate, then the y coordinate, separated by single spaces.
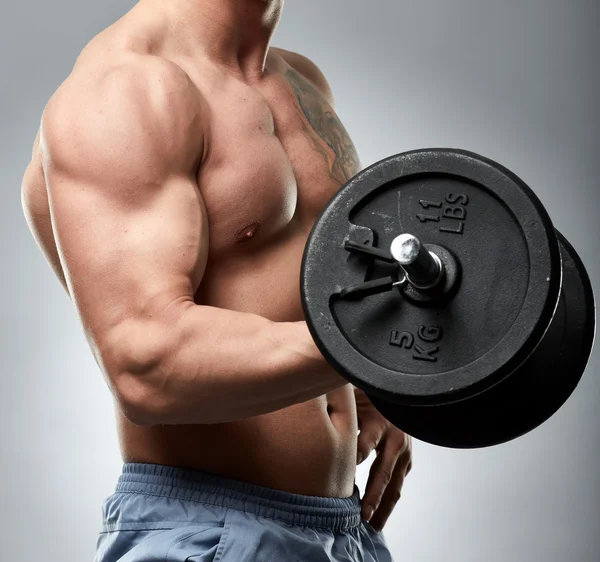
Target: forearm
pixel 228 365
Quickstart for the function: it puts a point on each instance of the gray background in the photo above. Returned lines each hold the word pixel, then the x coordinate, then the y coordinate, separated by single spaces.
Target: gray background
pixel 516 80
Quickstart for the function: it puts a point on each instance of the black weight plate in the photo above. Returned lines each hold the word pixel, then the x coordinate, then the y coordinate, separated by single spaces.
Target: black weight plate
pixel 506 247
pixel 532 394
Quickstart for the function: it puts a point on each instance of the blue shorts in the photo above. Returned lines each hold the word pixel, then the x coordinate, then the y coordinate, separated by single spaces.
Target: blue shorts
pixel 166 514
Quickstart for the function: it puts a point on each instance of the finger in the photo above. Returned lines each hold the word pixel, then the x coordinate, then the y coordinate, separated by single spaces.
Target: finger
pixel 392 493
pixel 382 472
pixel 369 438
pixel 407 455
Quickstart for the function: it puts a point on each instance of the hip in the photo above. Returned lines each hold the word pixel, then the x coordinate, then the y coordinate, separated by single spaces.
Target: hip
pixel 165 513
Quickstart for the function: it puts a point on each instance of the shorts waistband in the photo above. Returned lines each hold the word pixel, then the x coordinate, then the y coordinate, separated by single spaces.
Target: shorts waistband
pixel 201 487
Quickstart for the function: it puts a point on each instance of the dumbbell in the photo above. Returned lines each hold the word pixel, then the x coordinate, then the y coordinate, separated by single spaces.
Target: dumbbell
pixel 435 281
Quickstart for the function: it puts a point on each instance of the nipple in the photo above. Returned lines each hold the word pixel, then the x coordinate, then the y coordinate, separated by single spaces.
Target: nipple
pixel 248 232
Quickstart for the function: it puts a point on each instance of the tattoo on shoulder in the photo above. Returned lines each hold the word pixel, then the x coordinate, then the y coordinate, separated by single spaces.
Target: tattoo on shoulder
pixel 325 130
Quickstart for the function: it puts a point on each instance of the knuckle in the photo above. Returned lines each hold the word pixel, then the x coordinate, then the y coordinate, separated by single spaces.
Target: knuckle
pixel 399 443
pixel 404 440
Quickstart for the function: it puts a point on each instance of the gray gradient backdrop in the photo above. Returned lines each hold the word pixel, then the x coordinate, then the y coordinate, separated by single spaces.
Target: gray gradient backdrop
pixel 516 80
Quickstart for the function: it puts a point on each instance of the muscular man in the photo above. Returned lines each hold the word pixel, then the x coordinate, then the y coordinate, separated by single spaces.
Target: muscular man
pixel 176 176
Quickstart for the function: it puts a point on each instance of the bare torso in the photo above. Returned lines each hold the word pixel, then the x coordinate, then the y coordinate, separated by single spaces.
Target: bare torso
pixel 274 154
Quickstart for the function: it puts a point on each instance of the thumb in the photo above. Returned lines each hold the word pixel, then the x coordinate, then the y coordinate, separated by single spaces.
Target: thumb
pixel 368 439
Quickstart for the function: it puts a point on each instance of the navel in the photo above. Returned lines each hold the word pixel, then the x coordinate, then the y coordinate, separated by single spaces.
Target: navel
pixel 248 232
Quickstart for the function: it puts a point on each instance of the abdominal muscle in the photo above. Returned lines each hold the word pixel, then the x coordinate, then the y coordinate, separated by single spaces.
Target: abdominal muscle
pixel 308 448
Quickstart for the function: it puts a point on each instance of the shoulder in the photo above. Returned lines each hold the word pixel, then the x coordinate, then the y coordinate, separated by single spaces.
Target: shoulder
pixel 309 70
pixel 141 106
pixel 132 87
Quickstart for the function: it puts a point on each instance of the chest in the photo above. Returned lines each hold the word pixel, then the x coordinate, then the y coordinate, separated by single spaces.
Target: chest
pixel 275 154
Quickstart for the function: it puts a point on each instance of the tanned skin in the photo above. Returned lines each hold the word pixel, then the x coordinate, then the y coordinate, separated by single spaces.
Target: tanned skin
pixel 173 184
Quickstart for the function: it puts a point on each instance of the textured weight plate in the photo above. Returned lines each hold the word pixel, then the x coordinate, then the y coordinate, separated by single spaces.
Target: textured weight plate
pixel 532 394
pixel 502 239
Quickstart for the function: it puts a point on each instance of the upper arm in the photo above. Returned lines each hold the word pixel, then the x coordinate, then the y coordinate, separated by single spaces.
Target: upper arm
pixel 119 157
pixel 310 71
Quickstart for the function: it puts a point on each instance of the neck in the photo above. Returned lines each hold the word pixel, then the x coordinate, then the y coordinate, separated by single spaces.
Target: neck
pixel 233 33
